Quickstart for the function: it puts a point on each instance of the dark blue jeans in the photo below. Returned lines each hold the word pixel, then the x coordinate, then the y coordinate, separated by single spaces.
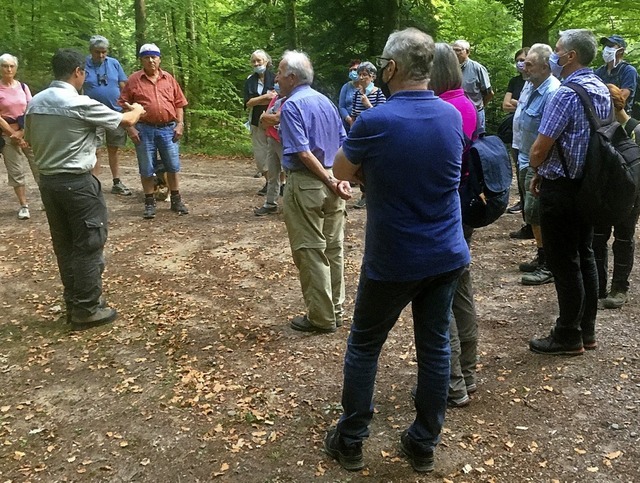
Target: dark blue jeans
pixel 77 216
pixel 378 306
pixel 567 246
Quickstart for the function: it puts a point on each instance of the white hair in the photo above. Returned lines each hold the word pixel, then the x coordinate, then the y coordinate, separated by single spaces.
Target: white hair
pixel 298 63
pixel 463 43
pixel 98 41
pixel 8 58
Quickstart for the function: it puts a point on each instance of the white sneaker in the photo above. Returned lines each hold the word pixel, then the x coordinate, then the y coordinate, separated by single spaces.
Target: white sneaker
pixel 24 214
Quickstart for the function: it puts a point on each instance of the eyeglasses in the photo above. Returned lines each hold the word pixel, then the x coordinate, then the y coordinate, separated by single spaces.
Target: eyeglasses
pixel 380 61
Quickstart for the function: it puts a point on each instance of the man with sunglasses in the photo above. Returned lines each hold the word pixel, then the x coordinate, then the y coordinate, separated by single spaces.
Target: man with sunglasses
pixel 104 80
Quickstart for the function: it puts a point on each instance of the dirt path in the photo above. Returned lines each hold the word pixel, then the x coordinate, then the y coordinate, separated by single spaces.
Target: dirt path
pixel 201 379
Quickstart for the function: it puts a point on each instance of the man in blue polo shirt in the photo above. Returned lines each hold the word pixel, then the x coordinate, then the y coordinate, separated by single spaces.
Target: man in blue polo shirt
pixel 409 153
pixel 103 82
pixel 616 71
pixel 314 209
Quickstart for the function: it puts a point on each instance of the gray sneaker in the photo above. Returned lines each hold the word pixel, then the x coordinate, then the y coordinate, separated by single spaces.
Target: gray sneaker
pixel 104 315
pixel 23 213
pixel 539 277
pixel 615 299
pixel 149 212
pixel 120 189
pixel 265 210
pixel 179 207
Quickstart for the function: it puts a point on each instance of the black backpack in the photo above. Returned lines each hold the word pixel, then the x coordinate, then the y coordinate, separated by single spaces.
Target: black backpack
pixel 484 193
pixel 611 177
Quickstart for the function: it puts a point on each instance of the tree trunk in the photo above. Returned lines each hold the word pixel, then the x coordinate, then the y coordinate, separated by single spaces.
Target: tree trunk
pixel 535 22
pixel 141 23
pixel 291 24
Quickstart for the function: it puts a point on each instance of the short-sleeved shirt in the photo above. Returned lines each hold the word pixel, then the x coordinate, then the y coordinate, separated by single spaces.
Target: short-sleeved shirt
pixel 475 81
pixel 531 116
pixel 161 100
pixel 465 107
pixel 624 76
pixel 111 72
pixel 517 133
pixel 13 101
pixel 515 86
pixel 345 103
pixel 275 105
pixel 564 119
pixel 309 121
pixel 410 150
pixel 61 126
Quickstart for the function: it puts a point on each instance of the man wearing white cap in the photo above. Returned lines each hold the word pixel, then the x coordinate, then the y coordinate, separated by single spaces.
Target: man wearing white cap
pixel 160 129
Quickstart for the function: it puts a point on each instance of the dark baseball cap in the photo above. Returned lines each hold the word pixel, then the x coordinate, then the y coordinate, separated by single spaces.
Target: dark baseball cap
pixel 613 39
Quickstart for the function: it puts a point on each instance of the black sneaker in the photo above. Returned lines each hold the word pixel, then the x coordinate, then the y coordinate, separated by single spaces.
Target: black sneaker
pixel 549 345
pixel 282 189
pixel 421 461
pixel 179 207
pixel 263 191
pixel 524 233
pixel 515 209
pixel 265 210
pixel 149 212
pixel 349 457
pixel 103 315
pixel 531 266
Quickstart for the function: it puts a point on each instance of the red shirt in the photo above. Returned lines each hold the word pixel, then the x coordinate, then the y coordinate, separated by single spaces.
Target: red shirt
pixel 161 100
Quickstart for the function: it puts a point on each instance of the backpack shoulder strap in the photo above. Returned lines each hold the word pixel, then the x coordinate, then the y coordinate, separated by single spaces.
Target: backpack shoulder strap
pixel 630 126
pixel 594 120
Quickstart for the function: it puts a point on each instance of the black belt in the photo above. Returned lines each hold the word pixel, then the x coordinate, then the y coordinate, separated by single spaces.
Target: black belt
pixel 159 125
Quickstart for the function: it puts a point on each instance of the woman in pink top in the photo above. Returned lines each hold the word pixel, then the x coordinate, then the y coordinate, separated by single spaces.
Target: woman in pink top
pixel 446 82
pixel 17 155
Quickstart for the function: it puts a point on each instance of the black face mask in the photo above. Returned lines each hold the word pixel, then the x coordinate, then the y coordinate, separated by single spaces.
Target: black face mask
pixel 383 85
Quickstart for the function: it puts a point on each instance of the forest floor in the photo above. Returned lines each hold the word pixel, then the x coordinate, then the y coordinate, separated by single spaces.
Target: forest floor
pixel 201 379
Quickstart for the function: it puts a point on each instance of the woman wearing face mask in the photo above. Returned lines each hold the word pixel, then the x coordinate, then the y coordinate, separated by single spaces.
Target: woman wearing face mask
pixel 258 92
pixel 345 102
pixel 509 105
pixel 366 96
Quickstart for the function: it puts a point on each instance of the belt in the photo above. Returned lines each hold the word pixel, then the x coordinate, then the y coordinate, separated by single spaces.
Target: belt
pixel 158 125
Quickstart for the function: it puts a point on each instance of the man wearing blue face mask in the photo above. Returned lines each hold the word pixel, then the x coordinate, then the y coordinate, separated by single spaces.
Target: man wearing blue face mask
pixel 558 156
pixel 616 71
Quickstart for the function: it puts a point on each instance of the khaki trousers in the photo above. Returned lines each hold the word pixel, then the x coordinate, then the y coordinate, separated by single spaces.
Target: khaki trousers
pixel 315 219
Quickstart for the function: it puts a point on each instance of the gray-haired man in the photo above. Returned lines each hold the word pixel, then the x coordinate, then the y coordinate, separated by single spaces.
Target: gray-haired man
pixel 104 80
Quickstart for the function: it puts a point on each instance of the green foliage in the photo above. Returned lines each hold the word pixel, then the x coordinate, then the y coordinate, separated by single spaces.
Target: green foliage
pixel 207 43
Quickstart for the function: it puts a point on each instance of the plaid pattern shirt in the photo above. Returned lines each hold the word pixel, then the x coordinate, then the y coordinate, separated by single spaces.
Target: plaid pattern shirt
pixel 566 121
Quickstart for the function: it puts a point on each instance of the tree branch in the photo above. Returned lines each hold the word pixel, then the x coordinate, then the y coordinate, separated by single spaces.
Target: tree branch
pixel 558 15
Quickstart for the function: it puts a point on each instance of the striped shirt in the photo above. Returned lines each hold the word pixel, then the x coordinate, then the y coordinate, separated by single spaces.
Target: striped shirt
pixel 375 97
pixel 566 121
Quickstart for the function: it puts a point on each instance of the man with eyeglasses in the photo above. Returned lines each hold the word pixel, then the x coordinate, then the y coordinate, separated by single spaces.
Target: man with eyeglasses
pixel 104 80
pixel 409 153
pixel 475 78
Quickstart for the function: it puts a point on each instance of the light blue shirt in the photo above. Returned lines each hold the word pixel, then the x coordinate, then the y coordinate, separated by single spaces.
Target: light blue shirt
pixel 531 116
pixel 309 121
pixel 61 126
pixel 110 71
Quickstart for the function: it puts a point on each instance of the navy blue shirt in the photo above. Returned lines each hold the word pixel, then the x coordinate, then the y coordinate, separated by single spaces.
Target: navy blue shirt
pixel 624 76
pixel 410 149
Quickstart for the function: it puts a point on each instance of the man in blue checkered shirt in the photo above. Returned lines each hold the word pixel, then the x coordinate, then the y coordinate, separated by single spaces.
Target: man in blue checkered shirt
pixel 567 239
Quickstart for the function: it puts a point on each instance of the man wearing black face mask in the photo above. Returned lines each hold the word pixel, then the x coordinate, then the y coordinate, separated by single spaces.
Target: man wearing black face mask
pixel 616 71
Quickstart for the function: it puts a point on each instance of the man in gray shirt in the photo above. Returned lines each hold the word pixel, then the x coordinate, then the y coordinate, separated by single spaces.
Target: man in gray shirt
pixel 61 127
pixel 475 78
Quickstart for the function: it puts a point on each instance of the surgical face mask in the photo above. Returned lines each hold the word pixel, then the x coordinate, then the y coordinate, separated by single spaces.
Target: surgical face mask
pixel 353 75
pixel 276 87
pixel 556 68
pixel 520 66
pixel 260 69
pixel 609 54
pixel 369 88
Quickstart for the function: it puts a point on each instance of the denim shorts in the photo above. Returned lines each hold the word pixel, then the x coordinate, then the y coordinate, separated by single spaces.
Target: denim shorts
pixel 156 141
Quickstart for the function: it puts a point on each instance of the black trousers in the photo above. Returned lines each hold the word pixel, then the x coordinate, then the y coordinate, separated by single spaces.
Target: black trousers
pixel 567 240
pixel 77 216
pixel 623 250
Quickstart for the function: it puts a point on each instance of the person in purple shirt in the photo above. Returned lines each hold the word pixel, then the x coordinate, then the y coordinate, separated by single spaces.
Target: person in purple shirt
pixel 409 152
pixel 567 238
pixel 314 209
